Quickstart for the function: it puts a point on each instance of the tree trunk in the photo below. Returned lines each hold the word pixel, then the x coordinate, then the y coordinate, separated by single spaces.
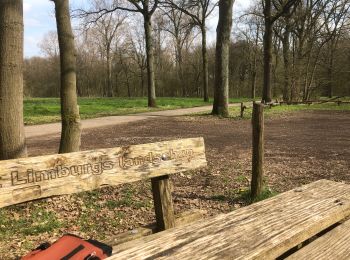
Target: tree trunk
pixel 254 80
pixel 71 128
pixel 267 52
pixel 295 93
pixel 150 62
pixel 205 64
pixel 142 83
pixel 12 139
pixel 330 75
pixel 223 30
pixel 116 88
pixel 109 74
pixel 286 62
pixel 180 67
pixel 274 71
pixel 255 64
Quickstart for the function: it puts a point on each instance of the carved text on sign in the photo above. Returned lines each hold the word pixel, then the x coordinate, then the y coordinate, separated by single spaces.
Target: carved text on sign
pixel 32 176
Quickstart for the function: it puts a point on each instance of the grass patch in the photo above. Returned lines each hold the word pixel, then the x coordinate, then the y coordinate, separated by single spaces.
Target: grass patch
pixel 47 110
pixel 287 109
pixel 40 221
pixel 241 179
pixel 218 197
pixel 266 194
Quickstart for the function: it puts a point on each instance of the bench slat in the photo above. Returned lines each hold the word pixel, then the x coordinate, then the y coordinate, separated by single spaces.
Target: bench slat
pixel 39 177
pixel 264 230
pixel 333 245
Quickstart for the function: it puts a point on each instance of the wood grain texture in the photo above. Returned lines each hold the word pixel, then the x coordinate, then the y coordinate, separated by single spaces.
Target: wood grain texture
pixel 180 220
pixel 258 150
pixel 163 203
pixel 335 245
pixel 39 177
pixel 264 230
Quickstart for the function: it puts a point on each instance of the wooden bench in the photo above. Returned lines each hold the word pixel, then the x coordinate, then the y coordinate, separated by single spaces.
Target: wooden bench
pixel 333 245
pixel 265 230
pixel 34 178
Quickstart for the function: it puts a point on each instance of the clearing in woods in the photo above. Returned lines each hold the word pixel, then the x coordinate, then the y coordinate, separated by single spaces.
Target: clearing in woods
pixel 301 147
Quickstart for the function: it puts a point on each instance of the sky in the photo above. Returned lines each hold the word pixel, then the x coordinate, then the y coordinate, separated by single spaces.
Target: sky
pixel 39 19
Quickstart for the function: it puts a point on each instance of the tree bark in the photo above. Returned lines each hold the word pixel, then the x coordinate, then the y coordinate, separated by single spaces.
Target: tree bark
pixel 258 151
pixel 150 62
pixel 12 139
pixel 109 74
pixel 205 64
pixel 267 52
pixel 286 61
pixel 180 66
pixel 71 128
pixel 330 74
pixel 224 27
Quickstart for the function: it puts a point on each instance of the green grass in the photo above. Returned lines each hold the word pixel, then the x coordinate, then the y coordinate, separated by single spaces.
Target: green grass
pixel 47 110
pixel 286 109
pixel 266 194
pixel 41 221
pixel 346 98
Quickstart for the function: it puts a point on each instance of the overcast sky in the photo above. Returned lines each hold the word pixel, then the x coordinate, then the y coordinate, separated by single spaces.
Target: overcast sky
pixel 39 19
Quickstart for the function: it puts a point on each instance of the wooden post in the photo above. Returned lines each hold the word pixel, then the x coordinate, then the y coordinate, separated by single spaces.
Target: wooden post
pixel 258 150
pixel 163 203
pixel 243 107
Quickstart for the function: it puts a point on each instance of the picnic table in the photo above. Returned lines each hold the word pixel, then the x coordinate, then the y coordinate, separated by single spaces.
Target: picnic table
pixel 270 229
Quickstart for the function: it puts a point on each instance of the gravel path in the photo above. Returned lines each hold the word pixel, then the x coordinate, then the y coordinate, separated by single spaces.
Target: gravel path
pixel 55 128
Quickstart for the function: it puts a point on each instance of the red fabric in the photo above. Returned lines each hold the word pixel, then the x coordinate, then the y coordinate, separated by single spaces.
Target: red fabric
pixel 63 247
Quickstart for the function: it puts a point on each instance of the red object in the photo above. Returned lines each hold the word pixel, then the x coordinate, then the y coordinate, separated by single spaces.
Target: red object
pixel 70 247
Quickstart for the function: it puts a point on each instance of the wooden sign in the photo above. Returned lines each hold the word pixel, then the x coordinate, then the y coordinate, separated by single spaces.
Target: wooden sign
pixel 39 177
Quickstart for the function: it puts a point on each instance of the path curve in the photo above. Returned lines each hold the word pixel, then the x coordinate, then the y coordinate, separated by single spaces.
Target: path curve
pixel 55 128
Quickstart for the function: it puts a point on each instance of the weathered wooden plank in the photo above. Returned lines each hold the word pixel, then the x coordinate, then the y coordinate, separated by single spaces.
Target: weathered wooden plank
pixel 180 220
pixel 38 177
pixel 264 230
pixel 163 203
pixel 258 150
pixel 335 245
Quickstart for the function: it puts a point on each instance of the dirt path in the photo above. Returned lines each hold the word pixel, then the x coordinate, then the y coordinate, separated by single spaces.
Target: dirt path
pixel 55 128
pixel 300 146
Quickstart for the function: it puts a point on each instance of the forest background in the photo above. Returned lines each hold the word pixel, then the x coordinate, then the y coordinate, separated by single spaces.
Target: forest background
pixel 310 55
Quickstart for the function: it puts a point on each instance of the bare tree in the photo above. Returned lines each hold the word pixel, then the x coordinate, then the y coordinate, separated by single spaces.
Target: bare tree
pixel 307 27
pixel 12 139
pixel 71 128
pixel 180 28
pixel 105 28
pixel 250 32
pixel 49 47
pixel 137 52
pixel 221 91
pixel 199 11
pixel 146 8
pixel 316 24
pixel 335 28
pixel 281 7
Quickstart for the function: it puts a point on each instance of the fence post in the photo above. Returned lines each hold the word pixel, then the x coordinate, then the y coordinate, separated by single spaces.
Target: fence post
pixel 242 109
pixel 258 150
